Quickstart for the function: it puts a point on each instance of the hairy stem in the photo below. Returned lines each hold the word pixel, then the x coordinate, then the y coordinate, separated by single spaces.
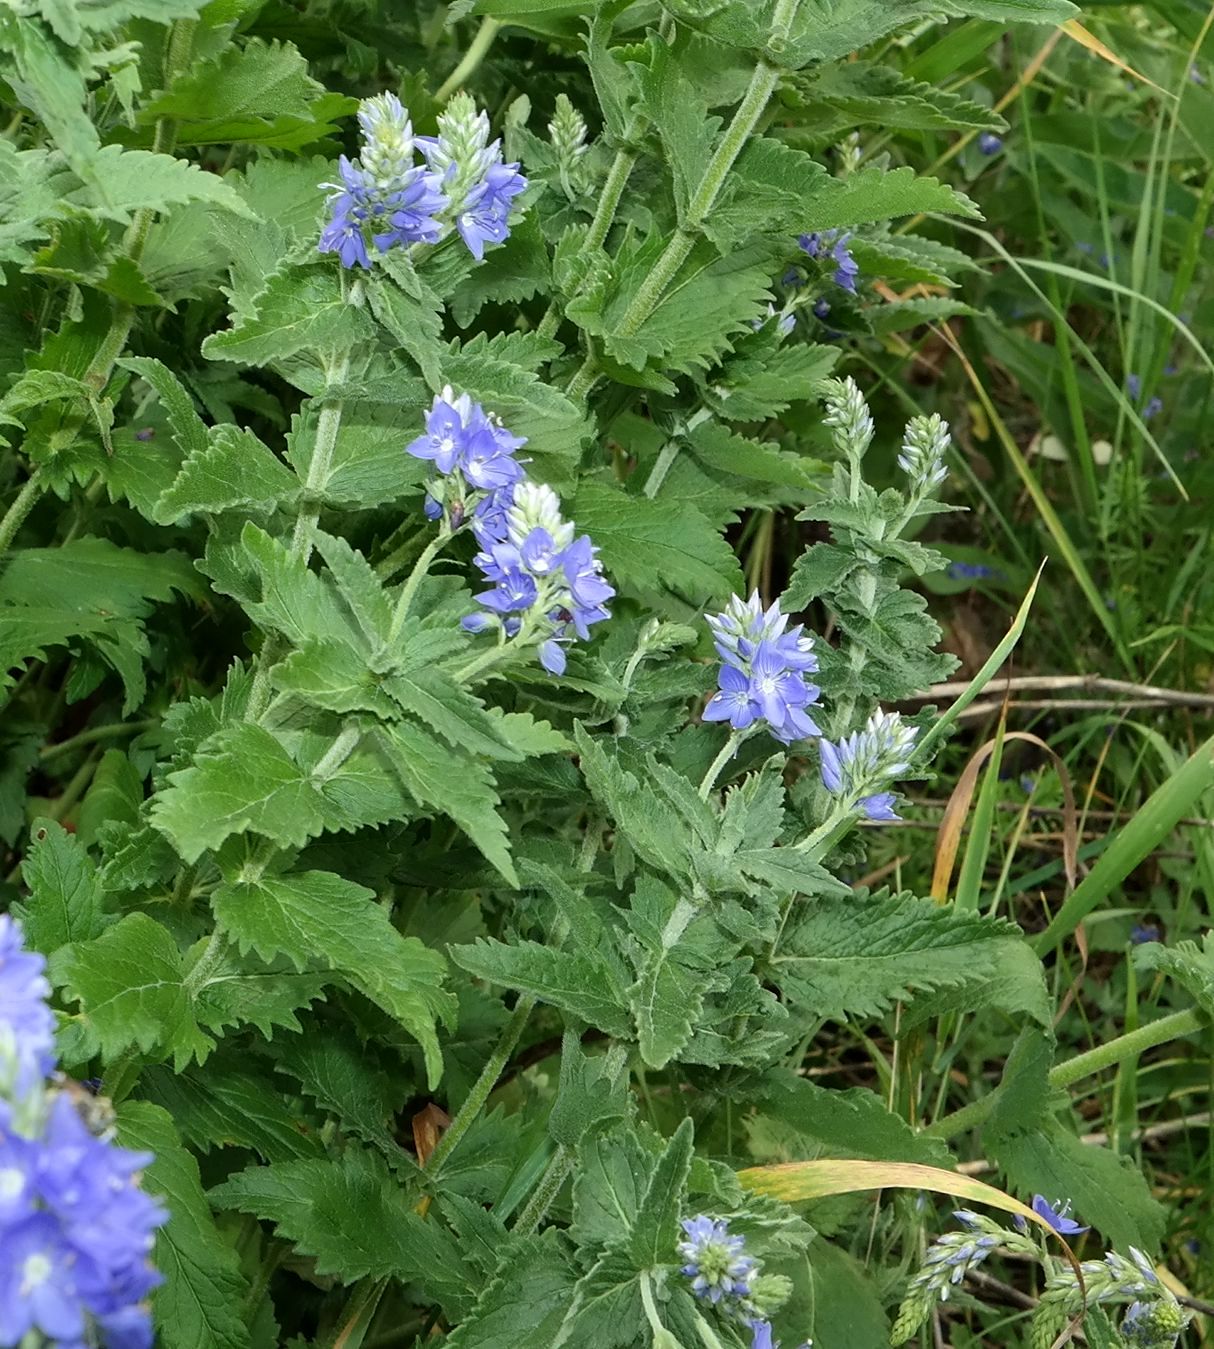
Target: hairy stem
pixel 95 733
pixel 1074 1070
pixel 473 57
pixel 559 1166
pixel 484 1084
pixel 728 750
pixel 24 502
pixel 420 570
pixel 762 85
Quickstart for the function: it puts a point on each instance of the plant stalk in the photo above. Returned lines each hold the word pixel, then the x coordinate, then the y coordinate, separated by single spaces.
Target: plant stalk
pixel 1074 1070
pixel 476 53
pixel 408 593
pixel 542 1197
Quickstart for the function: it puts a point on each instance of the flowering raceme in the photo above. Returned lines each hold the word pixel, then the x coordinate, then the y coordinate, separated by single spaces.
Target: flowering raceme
pixel 862 764
pixel 76 1230
pixel 478 185
pixel 763 672
pixel 383 190
pixel 832 245
pixel 547 584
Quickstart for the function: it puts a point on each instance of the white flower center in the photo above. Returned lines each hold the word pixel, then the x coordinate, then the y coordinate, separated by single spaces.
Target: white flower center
pixel 12 1182
pixel 35 1272
pixel 446 445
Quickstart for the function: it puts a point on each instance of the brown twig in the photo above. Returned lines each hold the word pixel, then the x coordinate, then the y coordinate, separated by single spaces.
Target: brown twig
pixel 1147 694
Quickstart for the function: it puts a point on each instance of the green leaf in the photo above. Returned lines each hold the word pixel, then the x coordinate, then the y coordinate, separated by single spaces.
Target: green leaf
pixel 446 707
pixel 754 387
pixel 65 903
pixel 853 1123
pixel 592 1090
pixel 294 599
pixel 52 88
pixel 198 1305
pixel 1192 967
pixel 655 1227
pixel 578 984
pixel 847 1309
pixel 884 194
pixel 727 452
pixel 317 918
pixel 864 93
pixel 524 1302
pixel 238 991
pixel 1107 1190
pixel 454 784
pixel 352 1218
pixel 260 93
pixel 332 675
pixel 231 1104
pixel 300 309
pixel 235 469
pixel 115 796
pixel 130 985
pixel 657 545
pixel 241 779
pixel 121 182
pixel 680 115
pixel 857 957
pixel 343 1078
pixel 96 577
pixel 609 1181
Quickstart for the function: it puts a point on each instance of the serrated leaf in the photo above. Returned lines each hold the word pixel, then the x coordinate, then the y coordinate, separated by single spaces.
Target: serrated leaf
pixel 524 1302
pixel 867 93
pixel 65 903
pixel 333 676
pixel 257 93
pixel 345 1080
pixel 857 957
pixel 242 778
pixel 300 309
pixel 231 1104
pixel 352 1218
pixel 875 194
pixel 578 984
pixel 1192 967
pixel 236 469
pixel 657 545
pixel 197 1306
pixel 592 1089
pixel 121 182
pixel 130 986
pixel 238 991
pixel 655 1227
pixel 448 708
pixel 753 388
pixel 317 918
pixel 454 784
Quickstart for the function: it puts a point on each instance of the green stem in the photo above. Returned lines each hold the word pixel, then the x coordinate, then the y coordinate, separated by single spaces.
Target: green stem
pixel 762 85
pixel 94 733
pixel 1074 1070
pixel 337 753
pixel 475 54
pixel 600 226
pixel 483 1087
pixel 14 517
pixel 559 1166
pixel 728 750
pixel 420 570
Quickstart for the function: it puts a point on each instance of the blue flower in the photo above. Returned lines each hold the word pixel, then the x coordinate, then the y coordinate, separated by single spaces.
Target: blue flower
pixel 989 143
pixel 716 1262
pixel 384 190
pixel 1057 1215
pixel 1133 386
pixel 1153 408
pixel 462 439
pixel 970 571
pixel 479 186
pixel 27 1024
pixel 544 578
pixel 863 763
pixel 76 1232
pixel 1141 933
pixel 833 245
pixel 761 1336
pixel 762 675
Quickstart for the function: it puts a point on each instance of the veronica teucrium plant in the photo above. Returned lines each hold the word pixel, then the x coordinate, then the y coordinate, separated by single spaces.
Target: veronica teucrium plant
pixel 450 863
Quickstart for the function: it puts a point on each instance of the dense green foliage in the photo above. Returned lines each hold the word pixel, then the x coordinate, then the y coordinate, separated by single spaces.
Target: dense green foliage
pixel 442 987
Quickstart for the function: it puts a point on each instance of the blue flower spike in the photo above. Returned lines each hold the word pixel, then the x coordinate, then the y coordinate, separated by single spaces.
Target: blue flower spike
pixel 762 677
pixel 861 766
pixel 714 1261
pixel 76 1231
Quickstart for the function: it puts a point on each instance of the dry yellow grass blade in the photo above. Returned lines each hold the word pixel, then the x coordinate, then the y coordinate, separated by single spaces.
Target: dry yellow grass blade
pixel 948 841
pixel 1075 30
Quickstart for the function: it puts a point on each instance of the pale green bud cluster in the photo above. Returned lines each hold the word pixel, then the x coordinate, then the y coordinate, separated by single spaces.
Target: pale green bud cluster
pixel 462 155
pixel 567 131
pixel 848 416
pixel 537 506
pixel 923 449
pixel 387 151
